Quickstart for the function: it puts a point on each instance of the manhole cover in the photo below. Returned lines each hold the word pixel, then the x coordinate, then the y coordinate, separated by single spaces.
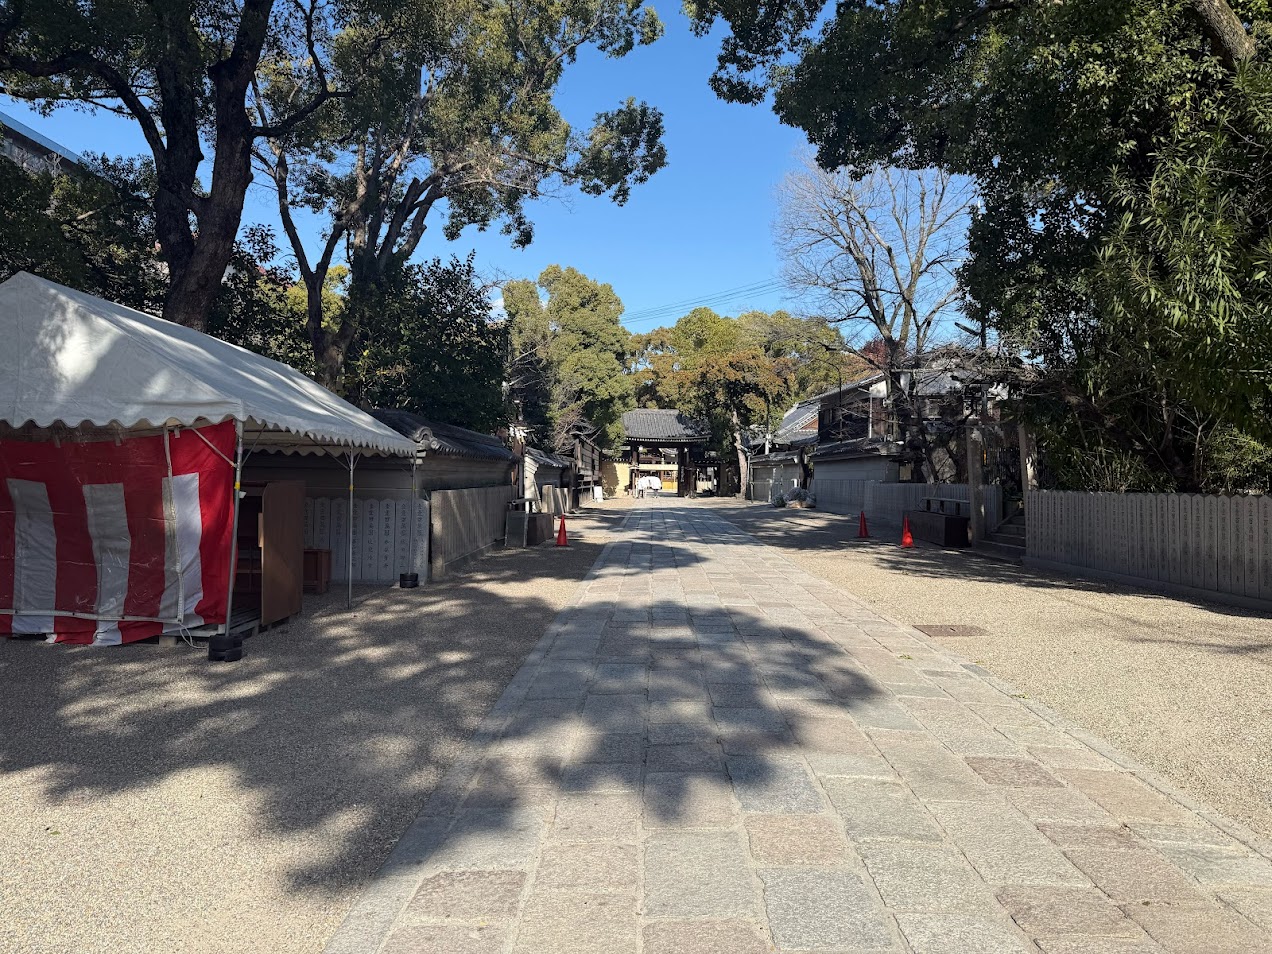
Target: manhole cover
pixel 952 632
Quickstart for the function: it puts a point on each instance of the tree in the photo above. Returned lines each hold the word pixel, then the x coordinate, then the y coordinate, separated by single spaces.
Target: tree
pixel 735 374
pixel 88 227
pixel 1120 151
pixel 879 250
pixel 183 71
pixel 435 350
pixel 456 110
pixel 570 354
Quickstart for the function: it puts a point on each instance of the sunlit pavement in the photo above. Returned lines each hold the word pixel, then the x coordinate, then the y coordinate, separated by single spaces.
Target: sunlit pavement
pixel 714 751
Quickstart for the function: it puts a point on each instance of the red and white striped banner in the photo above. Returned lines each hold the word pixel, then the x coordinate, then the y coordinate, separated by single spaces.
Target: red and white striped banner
pixel 104 542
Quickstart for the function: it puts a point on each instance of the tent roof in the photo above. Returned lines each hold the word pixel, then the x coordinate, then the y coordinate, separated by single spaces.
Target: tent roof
pixel 75 359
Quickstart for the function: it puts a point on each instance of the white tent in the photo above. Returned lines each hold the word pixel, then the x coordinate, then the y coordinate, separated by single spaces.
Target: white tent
pixel 75 359
pixel 76 363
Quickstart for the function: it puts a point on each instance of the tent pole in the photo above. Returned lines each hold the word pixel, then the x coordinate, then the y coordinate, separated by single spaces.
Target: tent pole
pixel 234 522
pixel 349 540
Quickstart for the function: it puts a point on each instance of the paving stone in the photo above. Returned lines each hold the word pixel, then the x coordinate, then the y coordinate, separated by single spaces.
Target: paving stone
pixel 696 709
pixel 1255 905
pixel 1134 875
pixel 447 939
pixel 466 896
pixel 773 785
pixel 576 922
pixel 1088 836
pixel 1084 911
pixel 1003 847
pixel 1012 772
pixel 964 933
pixel 596 817
pixel 913 877
pixel 599 777
pixel 853 766
pixel 1127 798
pixel 1000 714
pixel 874 810
pixel 705 937
pixel 609 747
pixel 832 736
pixel 698 874
pixel 1098 945
pixel 595 866
pixel 498 840
pixel 929 769
pixel 1214 866
pixel 738 695
pixel 685 757
pixel 688 800
pixel 681 733
pixel 619 678
pixel 822 909
pixel 1199 929
pixel 1061 805
pixel 797 840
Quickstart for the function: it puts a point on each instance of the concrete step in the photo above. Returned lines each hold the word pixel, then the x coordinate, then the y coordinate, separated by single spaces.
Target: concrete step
pixel 1006 539
pixel 1011 530
pixel 1001 551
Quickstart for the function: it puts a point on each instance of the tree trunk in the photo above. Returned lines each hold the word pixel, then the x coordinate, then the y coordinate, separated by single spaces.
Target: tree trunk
pixel 1225 31
pixel 744 469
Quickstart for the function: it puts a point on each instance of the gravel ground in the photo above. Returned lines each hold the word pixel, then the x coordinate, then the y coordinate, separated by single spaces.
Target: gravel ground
pixel 1184 687
pixel 155 802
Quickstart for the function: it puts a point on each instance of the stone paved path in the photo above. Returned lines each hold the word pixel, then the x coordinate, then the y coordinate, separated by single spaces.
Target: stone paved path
pixel 714 752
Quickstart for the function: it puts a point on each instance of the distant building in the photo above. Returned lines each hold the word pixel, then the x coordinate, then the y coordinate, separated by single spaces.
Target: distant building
pixel 35 152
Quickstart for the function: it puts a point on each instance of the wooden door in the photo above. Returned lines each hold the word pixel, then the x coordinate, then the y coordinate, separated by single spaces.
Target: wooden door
pixel 282 549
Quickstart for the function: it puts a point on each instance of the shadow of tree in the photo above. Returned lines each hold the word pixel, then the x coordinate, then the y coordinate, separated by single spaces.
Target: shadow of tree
pixel 812 531
pixel 681 669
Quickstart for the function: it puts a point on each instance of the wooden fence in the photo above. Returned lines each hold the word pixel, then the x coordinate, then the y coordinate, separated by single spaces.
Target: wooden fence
pixel 1179 542
pixel 390 537
pixel 887 502
pixel 465 524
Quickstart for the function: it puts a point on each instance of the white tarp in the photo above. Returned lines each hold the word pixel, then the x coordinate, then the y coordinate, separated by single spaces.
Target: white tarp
pixel 75 359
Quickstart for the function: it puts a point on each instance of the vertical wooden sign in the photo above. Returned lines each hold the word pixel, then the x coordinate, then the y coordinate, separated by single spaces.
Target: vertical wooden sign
pixel 340 540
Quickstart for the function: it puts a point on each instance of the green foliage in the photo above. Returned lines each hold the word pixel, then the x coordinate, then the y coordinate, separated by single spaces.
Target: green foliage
pixel 452 111
pixel 257 308
pixel 434 350
pixel 88 228
pixel 567 356
pixel 1122 155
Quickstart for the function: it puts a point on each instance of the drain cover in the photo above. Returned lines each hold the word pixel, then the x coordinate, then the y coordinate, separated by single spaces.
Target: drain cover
pixel 952 632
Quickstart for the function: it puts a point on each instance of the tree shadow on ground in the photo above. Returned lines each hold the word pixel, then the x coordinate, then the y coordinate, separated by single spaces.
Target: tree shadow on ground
pixel 335 729
pixel 812 531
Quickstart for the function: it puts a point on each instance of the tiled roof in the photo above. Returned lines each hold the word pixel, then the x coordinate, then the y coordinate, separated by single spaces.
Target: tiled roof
pixel 660 425
pixel 544 459
pixel 443 438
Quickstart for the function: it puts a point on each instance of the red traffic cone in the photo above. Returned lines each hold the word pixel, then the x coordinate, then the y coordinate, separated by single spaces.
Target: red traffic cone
pixel 561 540
pixel 862 532
pixel 907 538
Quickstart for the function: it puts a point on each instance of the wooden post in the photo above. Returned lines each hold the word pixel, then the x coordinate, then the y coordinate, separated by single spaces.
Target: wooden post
pixel 975 478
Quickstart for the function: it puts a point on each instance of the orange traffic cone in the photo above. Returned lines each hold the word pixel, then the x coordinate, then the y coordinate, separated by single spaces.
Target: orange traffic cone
pixel 561 540
pixel 907 539
pixel 862 532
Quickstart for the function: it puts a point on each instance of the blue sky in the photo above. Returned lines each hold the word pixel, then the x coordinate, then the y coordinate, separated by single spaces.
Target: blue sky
pixel 701 226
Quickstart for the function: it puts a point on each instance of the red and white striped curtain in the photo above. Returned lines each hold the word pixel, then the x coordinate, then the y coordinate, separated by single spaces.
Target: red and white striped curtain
pixel 108 542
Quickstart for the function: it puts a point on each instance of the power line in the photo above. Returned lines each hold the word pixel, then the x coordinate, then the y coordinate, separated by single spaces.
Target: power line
pixel 679 308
